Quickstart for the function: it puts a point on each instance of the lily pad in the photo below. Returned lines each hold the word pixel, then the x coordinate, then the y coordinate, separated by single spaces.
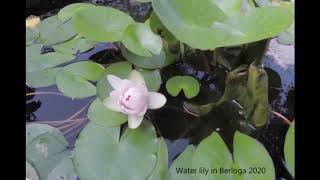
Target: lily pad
pixel 31 172
pixel 69 11
pixel 42 78
pixel 158 28
pixel 98 155
pixel 152 79
pixel 120 69
pixel 46 151
pixel 101 115
pixel 74 86
pixel 139 39
pixel 102 24
pixel 75 45
pixel 161 169
pixel 53 31
pixel 205 25
pixel 86 69
pixel 245 148
pixel 287 37
pixel 289 149
pixel 188 84
pixel 164 59
pixel 31 35
pixel 184 161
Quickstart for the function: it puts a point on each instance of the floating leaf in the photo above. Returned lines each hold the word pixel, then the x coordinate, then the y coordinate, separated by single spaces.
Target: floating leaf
pixel 48 60
pixel 75 45
pixel 188 84
pixel 31 172
pixel 98 155
pixel 86 69
pixel 139 39
pixel 263 3
pixel 164 59
pixel 53 31
pixel 33 50
pixel 184 161
pixel 42 78
pixel 212 153
pixel 245 148
pixel 158 28
pixel 287 37
pixel 161 169
pixel 120 69
pixel 31 35
pixel 102 24
pixel 101 115
pixel 46 151
pixel 205 25
pixel 152 79
pixel 144 1
pixel 69 11
pixel 289 149
pixel 74 86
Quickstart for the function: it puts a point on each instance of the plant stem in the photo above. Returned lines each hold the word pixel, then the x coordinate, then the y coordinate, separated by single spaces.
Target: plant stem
pixel 284 119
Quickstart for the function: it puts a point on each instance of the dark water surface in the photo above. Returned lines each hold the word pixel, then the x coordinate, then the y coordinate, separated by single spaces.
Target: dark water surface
pixel 178 127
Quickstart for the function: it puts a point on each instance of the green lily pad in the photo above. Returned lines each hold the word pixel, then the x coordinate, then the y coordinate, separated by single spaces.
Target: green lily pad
pixel 74 86
pixel 46 151
pixel 289 149
pixel 184 161
pixel 33 51
pixel 212 153
pixel 287 37
pixel 245 148
pixel 205 25
pixel 139 39
pixel 120 69
pixel 144 1
pixel 31 172
pixel 31 35
pixel 161 169
pixel 263 3
pixel 101 115
pixel 86 69
pixel 42 78
pixel 164 59
pixel 69 11
pixel 188 84
pixel 158 28
pixel 75 45
pixel 53 31
pixel 152 79
pixel 102 24
pixel 98 155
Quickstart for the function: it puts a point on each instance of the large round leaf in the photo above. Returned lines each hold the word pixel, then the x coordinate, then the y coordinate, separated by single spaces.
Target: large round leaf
pixel 289 149
pixel 205 25
pixel 188 84
pixel 31 35
pixel 212 153
pixel 99 156
pixel 152 79
pixel 181 164
pixel 75 45
pixel 31 172
pixel 102 24
pixel 69 11
pixel 86 69
pixel 249 153
pixel 120 69
pixel 38 62
pixel 161 169
pixel 101 115
pixel 54 31
pixel 42 78
pixel 139 39
pixel 165 58
pixel 158 28
pixel 74 86
pixel 46 150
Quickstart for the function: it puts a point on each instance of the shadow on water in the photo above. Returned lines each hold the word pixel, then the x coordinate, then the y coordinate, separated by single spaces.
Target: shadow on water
pixel 178 127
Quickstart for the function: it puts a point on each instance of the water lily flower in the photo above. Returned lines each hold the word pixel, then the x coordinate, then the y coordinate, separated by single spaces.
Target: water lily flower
pixel 130 96
pixel 32 21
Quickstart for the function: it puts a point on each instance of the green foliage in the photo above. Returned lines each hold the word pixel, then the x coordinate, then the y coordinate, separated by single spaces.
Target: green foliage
pixel 188 84
pixel 289 147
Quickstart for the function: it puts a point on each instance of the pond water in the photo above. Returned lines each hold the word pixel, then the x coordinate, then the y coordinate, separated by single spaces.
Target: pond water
pixel 178 127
